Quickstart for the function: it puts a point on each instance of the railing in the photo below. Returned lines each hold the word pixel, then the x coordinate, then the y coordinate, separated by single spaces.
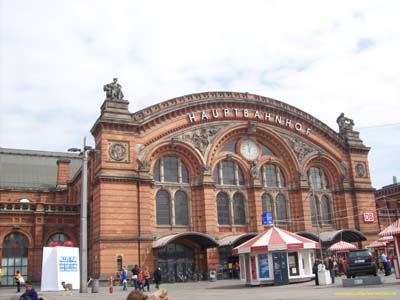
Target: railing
pixel 32 207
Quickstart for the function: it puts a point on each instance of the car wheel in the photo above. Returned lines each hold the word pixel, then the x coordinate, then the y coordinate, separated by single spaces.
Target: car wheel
pixel 348 276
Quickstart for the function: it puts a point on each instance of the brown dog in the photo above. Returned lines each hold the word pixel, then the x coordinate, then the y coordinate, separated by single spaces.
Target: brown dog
pixel 67 287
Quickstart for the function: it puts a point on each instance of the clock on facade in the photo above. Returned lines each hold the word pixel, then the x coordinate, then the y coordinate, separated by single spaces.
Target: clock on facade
pixel 249 149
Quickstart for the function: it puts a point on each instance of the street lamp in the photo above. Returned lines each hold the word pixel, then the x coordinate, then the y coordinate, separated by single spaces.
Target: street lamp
pixel 317 220
pixel 83 228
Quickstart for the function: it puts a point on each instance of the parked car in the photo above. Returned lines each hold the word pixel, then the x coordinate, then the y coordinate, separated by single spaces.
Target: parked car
pixel 360 262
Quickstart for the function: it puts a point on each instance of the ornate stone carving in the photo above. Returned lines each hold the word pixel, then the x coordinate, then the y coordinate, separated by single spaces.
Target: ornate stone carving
pixel 345 169
pixel 254 170
pixel 118 151
pixel 143 165
pixel 300 148
pixel 113 90
pixel 200 138
pixel 345 124
pixel 361 171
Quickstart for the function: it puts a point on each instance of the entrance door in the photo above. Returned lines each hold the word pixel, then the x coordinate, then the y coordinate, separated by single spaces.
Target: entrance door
pixel 176 262
pixel 280 268
pixel 15 257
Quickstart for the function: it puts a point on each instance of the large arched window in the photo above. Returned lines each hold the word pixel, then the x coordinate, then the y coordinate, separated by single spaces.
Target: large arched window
pixel 326 210
pixel 173 197
pixel 239 212
pixel 228 172
pixel 272 176
pixel 14 257
pixel 320 202
pixel 267 204
pixel 317 179
pixel 223 209
pixel 170 169
pixel 281 208
pixel 181 208
pixel 163 208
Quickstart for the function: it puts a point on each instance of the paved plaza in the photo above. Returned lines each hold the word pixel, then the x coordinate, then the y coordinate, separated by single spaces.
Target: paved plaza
pixel 235 290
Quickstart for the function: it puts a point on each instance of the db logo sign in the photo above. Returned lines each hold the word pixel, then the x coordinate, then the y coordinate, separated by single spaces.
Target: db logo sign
pixel 369 217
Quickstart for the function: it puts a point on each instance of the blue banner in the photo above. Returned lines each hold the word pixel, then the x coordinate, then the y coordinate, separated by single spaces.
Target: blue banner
pixel 267 218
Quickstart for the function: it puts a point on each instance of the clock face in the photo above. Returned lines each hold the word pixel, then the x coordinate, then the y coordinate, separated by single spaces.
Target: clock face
pixel 249 149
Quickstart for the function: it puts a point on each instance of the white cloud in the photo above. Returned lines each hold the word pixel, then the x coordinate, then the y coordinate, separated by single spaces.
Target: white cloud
pixel 323 57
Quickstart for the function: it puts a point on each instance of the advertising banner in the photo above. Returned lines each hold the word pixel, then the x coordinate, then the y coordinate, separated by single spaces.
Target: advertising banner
pixel 60 264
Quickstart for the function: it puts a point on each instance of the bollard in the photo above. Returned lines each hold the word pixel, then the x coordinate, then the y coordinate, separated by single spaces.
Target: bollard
pixel 95 286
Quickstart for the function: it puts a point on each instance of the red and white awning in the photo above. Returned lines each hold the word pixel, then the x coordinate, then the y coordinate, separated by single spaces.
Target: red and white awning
pixel 341 246
pixel 275 239
pixel 392 229
pixel 377 244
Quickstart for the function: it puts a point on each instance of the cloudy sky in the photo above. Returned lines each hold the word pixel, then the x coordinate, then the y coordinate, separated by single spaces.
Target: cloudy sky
pixel 324 57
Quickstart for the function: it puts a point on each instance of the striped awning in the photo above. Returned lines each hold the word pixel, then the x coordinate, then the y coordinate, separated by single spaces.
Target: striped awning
pixel 377 244
pixel 341 246
pixel 275 239
pixel 386 239
pixel 391 230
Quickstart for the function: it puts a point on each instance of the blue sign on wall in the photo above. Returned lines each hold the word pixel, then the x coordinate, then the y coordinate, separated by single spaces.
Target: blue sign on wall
pixel 267 218
pixel 68 264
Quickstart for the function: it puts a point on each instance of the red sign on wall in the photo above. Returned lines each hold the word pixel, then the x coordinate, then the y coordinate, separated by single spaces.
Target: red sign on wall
pixel 369 217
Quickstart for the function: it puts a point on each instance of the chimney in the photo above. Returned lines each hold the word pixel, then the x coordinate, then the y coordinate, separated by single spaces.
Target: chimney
pixel 63 171
pixel 394 179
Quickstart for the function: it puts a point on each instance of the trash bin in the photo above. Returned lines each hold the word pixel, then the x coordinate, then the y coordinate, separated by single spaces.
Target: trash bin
pixel 213 276
pixel 95 285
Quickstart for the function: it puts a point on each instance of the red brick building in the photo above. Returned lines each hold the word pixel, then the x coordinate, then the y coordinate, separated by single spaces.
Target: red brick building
pixel 178 184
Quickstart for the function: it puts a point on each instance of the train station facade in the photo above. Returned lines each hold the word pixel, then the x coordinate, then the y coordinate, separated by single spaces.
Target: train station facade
pixel 182 182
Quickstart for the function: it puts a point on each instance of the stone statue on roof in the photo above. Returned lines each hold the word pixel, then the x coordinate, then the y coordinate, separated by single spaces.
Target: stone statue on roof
pixel 345 124
pixel 113 90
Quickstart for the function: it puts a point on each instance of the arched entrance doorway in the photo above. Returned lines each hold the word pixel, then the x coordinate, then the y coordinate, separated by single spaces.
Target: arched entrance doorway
pixel 14 257
pixel 177 262
pixel 182 256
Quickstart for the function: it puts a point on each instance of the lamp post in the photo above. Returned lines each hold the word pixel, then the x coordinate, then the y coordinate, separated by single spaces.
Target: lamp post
pixel 317 221
pixel 83 228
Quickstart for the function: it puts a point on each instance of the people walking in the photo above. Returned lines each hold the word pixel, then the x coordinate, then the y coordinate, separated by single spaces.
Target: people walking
pixel 146 274
pixel 18 277
pixel 315 270
pixel 140 281
pixel 157 277
pixel 331 268
pixel 135 271
pixel 124 278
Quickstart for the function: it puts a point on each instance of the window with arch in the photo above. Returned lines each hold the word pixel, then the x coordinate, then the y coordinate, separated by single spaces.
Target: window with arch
pixel 181 208
pixel 314 209
pixel 239 211
pixel 281 208
pixel 14 257
pixel 326 210
pixel 317 179
pixel 163 208
pixel 173 196
pixel 272 176
pixel 320 197
pixel 267 204
pixel 170 169
pixel 58 237
pixel 228 172
pixel 275 197
pixel 223 209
